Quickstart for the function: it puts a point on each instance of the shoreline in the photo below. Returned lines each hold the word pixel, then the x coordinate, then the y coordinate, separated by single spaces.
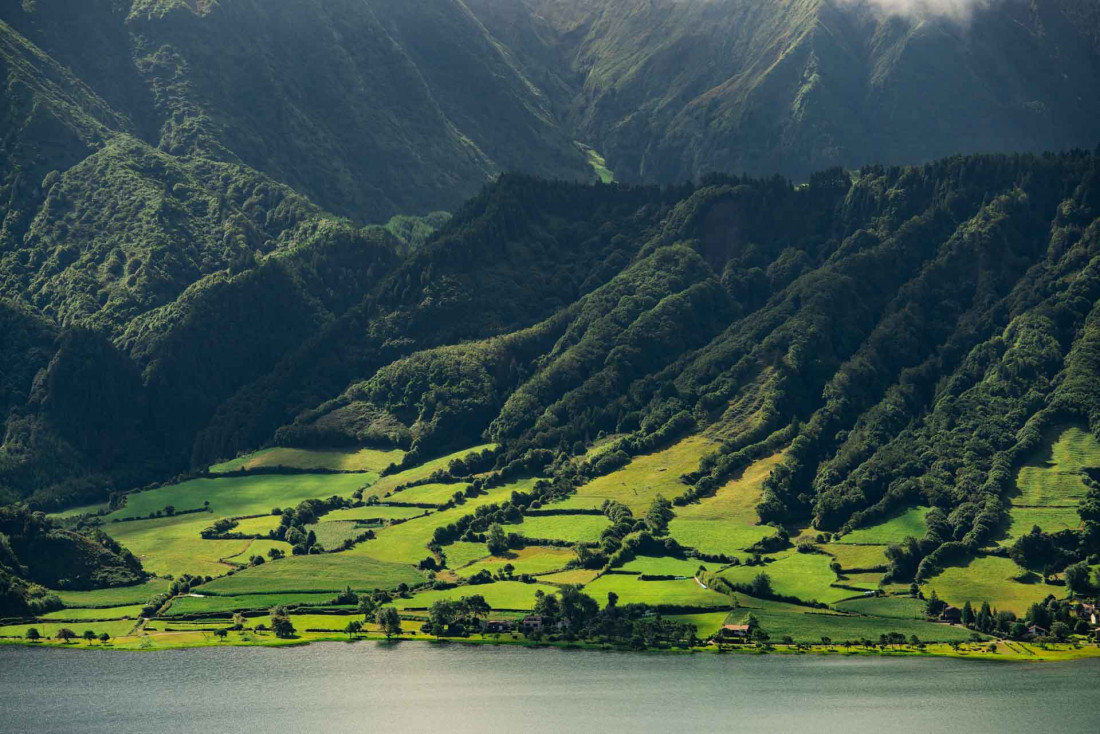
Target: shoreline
pixel 1009 652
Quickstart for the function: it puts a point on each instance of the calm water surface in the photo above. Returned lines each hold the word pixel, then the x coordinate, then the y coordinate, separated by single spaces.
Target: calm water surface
pixel 369 686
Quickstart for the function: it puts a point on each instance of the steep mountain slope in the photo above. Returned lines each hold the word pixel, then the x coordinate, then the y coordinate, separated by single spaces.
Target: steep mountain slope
pixel 672 89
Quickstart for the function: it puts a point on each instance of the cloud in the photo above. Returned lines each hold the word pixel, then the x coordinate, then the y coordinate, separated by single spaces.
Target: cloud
pixel 957 10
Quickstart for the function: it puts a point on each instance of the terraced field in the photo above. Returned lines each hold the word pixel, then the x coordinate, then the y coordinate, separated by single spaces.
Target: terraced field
pixel 132 611
pixel 118 596
pixel 727 523
pixel 385 485
pixel 1050 486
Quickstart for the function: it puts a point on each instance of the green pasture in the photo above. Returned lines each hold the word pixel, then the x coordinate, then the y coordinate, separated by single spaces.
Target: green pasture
pixel 372 512
pixel 808 625
pixel 462 553
pixel 82 510
pixel 573 577
pixel 857 556
pixel 257 525
pixel 173 546
pixel 332 535
pixel 259 547
pixel 572 528
pixel 1049 519
pixel 685 592
pixel 499 595
pixel 239 496
pixel 118 596
pixel 386 484
pixel 805 576
pixel 667 566
pixel 909 523
pixel 897 607
pixel 991 579
pixel 430 494
pixel 705 624
pixel 355 460
pixel 532 559
pixel 325 572
pixel 639 482
pixel 245 602
pixel 50 629
pixel 727 522
pixel 1052 477
pixel 130 611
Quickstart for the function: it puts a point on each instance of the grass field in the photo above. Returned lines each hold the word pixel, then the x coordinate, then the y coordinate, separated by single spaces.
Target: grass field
pixel 373 512
pixel 805 576
pixel 461 553
pixel 331 535
pixel 857 556
pixel 49 629
pixel 386 484
pixel 897 607
pixel 432 494
pixel 895 530
pixel 316 573
pixel 259 548
pixel 685 592
pixel 727 522
pixel 639 482
pixel 990 579
pixel 575 577
pixel 808 625
pixel 666 566
pixel 573 528
pixel 868 580
pixel 406 542
pixel 499 595
pixel 1052 477
pixel 82 510
pixel 173 545
pixel 118 596
pixel 358 460
pixel 131 611
pixel 257 525
pixel 533 559
pixel 1050 519
pixel 212 604
pixel 239 496
pixel 705 624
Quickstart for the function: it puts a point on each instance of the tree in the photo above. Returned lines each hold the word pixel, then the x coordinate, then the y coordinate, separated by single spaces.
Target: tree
pixel 1060 630
pixel 967 614
pixel 104 638
pixel 88 636
pixel 34 634
pixel 221 634
pixel 658 516
pixel 497 540
pixel 1077 578
pixel 761 586
pixel 934 606
pixel 275 554
pixel 390 621
pixel 280 623
pixel 367 607
pixel 65 634
pixel 353 628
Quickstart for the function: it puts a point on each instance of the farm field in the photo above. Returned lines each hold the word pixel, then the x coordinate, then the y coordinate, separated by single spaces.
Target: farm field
pixel 705 623
pixel 259 547
pixel 332 535
pixel 354 460
pixel 238 496
pixel 50 629
pixel 1052 477
pixel 213 604
pixel 462 553
pixel 431 494
pixel 499 595
pixel 131 611
pixel 373 512
pixel 173 546
pixel 682 593
pixel 989 578
pixel 639 482
pixel 805 576
pixel 386 484
pixel 573 528
pixel 856 556
pixel 76 511
pixel 727 522
pixel 325 572
pixel 574 577
pixel 895 530
pixel 118 596
pixel 257 525
pixel 899 607
pixel 666 566
pixel 532 559
pixel 1050 519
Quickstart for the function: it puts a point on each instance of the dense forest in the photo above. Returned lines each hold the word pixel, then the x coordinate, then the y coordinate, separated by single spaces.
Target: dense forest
pixel 197 256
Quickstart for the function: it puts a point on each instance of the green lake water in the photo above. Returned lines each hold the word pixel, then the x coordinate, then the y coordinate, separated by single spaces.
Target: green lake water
pixel 368 687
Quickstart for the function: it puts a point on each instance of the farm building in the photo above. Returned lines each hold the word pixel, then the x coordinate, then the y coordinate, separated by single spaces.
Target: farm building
pixel 494 626
pixel 734 632
pixel 951 614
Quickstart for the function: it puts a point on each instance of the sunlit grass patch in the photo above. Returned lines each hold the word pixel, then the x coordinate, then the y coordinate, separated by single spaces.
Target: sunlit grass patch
pixel 991 579
pixel 360 460
pixel 909 523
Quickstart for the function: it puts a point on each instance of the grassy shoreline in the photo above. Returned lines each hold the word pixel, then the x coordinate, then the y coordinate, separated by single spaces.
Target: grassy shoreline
pixel 1006 652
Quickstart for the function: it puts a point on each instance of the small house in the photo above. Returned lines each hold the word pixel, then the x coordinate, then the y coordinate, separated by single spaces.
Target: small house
pixel 497 626
pixel 1037 631
pixel 952 615
pixel 531 623
pixel 734 632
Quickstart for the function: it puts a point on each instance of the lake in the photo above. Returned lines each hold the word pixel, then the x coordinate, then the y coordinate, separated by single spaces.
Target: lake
pixel 369 686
